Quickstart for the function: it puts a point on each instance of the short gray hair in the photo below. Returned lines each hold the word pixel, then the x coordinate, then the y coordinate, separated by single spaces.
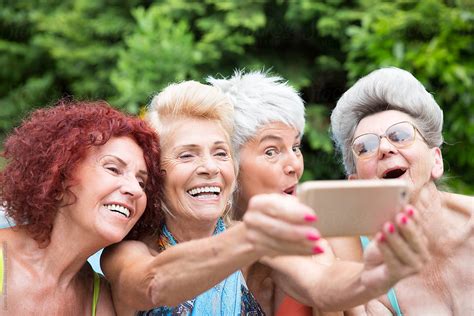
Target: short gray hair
pixel 382 90
pixel 259 99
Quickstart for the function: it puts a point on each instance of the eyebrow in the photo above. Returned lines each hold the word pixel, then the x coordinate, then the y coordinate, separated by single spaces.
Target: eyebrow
pixel 275 137
pixel 192 146
pixel 123 163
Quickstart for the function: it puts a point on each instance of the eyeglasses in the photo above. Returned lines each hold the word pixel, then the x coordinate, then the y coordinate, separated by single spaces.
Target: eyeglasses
pixel 400 135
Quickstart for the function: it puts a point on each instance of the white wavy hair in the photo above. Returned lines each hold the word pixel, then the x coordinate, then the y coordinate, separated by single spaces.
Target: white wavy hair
pixel 260 98
pixel 382 90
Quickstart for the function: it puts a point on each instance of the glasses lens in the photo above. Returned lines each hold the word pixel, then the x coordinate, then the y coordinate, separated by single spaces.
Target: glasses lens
pixel 365 145
pixel 401 134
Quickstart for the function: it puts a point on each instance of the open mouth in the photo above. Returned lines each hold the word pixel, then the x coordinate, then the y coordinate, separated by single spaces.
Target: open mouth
pixel 210 192
pixel 394 173
pixel 291 190
pixel 118 209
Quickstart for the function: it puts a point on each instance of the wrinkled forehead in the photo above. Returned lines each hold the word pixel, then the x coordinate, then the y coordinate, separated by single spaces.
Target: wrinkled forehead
pixel 276 130
pixel 379 122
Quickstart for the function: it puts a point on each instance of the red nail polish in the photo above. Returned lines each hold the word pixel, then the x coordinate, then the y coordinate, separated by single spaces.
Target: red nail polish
pixel 318 250
pixel 310 218
pixel 313 236
pixel 410 212
pixel 381 238
pixel 390 228
pixel 403 220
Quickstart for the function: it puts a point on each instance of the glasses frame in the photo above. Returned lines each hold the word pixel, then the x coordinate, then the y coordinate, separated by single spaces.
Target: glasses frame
pixel 384 135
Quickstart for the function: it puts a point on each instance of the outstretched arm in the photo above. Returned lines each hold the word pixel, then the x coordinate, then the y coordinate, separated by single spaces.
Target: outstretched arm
pixel 141 278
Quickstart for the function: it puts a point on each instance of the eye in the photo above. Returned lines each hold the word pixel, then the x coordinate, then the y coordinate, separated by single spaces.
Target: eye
pixel 271 152
pixel 297 148
pixel 141 183
pixel 185 155
pixel 222 153
pixel 112 169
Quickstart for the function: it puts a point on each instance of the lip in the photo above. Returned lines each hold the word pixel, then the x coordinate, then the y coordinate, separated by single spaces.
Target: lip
pixel 216 199
pixel 131 208
pixel 291 189
pixel 201 185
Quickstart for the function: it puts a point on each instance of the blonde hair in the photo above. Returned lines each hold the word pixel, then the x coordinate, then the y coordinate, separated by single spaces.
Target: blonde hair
pixel 191 100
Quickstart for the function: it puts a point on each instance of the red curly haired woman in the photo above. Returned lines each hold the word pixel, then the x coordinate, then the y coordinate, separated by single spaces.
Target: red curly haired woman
pixel 79 177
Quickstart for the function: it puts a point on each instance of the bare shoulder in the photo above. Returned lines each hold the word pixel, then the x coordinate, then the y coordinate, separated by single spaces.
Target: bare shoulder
pixel 122 254
pixel 462 205
pixel 461 202
pixel 105 305
pixel 127 247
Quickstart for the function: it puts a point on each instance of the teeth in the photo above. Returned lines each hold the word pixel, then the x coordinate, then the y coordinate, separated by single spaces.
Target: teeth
pixel 119 209
pixel 204 190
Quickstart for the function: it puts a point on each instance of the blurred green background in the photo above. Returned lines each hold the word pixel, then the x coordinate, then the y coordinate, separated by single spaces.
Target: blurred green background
pixel 124 51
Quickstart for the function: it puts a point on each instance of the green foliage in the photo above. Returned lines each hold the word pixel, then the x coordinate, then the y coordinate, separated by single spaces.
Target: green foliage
pixel 434 41
pixel 125 51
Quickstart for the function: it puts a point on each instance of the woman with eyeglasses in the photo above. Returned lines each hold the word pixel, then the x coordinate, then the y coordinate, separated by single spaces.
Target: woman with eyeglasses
pixel 388 126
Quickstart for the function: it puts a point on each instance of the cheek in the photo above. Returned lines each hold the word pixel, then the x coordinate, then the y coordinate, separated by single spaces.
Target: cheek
pixel 228 172
pixel 366 169
pixel 142 204
pixel 301 168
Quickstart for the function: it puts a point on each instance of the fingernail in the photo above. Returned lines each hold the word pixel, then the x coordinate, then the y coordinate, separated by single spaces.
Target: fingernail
pixel 410 212
pixel 318 250
pixel 381 237
pixel 403 220
pixel 313 236
pixel 390 228
pixel 310 218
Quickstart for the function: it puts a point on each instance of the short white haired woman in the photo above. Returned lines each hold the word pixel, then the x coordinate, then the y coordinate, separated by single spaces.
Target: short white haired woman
pixel 269 120
pixel 388 126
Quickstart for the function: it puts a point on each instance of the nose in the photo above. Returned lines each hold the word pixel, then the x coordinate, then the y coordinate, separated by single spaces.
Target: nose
pixel 208 167
pixel 293 164
pixel 132 188
pixel 386 148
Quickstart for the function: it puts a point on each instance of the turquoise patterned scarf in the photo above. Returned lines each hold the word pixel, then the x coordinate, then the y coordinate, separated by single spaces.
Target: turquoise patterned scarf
pixel 224 298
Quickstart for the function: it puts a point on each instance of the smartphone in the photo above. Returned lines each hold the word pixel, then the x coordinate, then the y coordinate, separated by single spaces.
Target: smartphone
pixel 353 207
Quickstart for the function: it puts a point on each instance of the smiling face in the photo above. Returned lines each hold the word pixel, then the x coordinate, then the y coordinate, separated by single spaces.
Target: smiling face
pixel 108 189
pixel 271 162
pixel 199 169
pixel 417 163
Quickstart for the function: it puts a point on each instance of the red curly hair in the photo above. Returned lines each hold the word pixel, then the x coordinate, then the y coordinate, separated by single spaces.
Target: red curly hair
pixel 44 151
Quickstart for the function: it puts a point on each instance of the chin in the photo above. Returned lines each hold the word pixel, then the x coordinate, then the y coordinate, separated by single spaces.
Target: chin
pixel 113 235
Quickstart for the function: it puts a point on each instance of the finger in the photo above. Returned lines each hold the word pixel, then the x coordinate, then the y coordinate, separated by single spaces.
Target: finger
pixel 287 208
pixel 390 259
pixel 267 232
pixel 412 235
pixel 413 214
pixel 271 247
pixel 280 230
pixel 399 247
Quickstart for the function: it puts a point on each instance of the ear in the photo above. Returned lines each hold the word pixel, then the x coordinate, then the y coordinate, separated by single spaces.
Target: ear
pixel 437 169
pixel 353 176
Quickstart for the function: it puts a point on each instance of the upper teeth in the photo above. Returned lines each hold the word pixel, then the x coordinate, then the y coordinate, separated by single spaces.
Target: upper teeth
pixel 204 189
pixel 118 208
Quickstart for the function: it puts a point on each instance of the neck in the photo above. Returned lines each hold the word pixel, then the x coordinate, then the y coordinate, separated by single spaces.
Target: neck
pixel 427 200
pixel 241 207
pixel 65 255
pixel 185 229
